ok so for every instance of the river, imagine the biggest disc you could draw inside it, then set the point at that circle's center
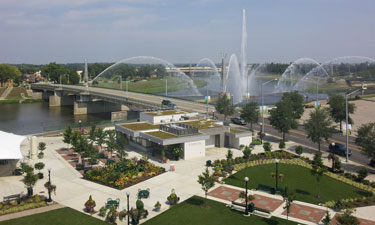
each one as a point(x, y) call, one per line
point(38, 117)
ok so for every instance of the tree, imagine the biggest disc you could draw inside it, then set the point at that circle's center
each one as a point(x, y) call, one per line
point(100, 137)
point(30, 180)
point(282, 118)
point(55, 72)
point(347, 218)
point(327, 219)
point(67, 136)
point(362, 174)
point(121, 143)
point(250, 113)
point(366, 139)
point(92, 134)
point(338, 109)
point(224, 106)
point(207, 181)
point(111, 141)
point(8, 72)
point(336, 164)
point(247, 152)
point(288, 196)
point(319, 126)
point(299, 149)
point(295, 101)
point(318, 169)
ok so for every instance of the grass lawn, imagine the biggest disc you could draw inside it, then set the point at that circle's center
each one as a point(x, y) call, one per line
point(299, 179)
point(64, 216)
point(153, 85)
point(15, 94)
point(2, 89)
point(193, 212)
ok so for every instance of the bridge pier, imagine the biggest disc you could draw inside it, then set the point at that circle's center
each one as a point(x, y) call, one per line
point(86, 107)
point(59, 99)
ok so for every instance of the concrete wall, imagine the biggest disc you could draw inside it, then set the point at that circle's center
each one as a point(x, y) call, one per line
point(166, 119)
point(194, 149)
point(117, 116)
point(7, 169)
point(210, 142)
point(55, 100)
point(236, 142)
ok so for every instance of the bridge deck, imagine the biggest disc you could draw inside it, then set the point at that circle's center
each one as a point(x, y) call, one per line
point(117, 94)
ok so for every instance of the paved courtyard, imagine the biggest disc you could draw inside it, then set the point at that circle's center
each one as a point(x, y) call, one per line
point(307, 213)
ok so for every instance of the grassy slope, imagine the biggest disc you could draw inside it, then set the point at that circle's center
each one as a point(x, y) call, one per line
point(190, 212)
point(15, 94)
point(2, 89)
point(298, 178)
point(62, 216)
point(152, 85)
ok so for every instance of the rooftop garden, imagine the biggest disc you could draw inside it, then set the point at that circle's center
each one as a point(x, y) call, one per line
point(166, 135)
point(140, 126)
point(237, 131)
point(166, 113)
point(203, 124)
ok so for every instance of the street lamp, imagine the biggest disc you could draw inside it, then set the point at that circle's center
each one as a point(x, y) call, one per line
point(166, 87)
point(127, 196)
point(49, 183)
point(80, 125)
point(347, 120)
point(261, 90)
point(127, 93)
point(246, 207)
point(277, 173)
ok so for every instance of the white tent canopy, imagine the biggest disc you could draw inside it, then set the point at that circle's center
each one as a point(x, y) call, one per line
point(10, 145)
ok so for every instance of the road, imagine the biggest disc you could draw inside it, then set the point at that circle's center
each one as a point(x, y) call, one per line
point(300, 136)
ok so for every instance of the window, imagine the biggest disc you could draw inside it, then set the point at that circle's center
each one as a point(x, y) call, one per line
point(3, 162)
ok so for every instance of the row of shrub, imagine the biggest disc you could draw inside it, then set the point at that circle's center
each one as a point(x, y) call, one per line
point(350, 203)
point(22, 204)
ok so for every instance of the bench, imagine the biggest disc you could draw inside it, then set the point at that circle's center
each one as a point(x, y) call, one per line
point(143, 193)
point(242, 207)
point(263, 212)
point(110, 202)
point(12, 197)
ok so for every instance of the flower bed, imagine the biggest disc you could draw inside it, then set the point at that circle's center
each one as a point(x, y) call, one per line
point(124, 174)
point(22, 204)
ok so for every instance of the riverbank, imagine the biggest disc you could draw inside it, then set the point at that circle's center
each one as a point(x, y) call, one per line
point(20, 101)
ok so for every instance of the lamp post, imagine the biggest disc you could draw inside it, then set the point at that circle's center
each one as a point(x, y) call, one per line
point(277, 173)
point(347, 121)
point(127, 196)
point(166, 87)
point(261, 90)
point(127, 93)
point(246, 207)
point(80, 125)
point(121, 83)
point(49, 183)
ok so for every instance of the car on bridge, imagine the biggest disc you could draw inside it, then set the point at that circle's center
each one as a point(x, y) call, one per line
point(338, 149)
point(169, 104)
point(238, 120)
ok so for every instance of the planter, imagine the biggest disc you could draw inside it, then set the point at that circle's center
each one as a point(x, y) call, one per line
point(157, 209)
point(41, 175)
point(165, 160)
point(89, 209)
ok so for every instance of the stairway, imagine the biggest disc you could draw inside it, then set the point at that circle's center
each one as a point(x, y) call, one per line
point(6, 93)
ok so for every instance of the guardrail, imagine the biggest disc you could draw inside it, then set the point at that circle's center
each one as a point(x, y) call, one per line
point(106, 97)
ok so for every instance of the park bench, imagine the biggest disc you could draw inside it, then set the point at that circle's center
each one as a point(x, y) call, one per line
point(143, 193)
point(12, 197)
point(252, 208)
point(240, 206)
point(111, 202)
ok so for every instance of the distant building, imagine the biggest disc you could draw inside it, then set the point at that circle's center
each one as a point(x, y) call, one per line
point(153, 76)
point(166, 130)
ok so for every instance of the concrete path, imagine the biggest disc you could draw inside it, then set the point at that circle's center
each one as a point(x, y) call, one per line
point(6, 93)
point(30, 212)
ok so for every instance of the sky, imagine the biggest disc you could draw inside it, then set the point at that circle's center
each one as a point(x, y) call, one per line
point(183, 31)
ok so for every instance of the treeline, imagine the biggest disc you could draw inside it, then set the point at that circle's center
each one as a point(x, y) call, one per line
point(8, 72)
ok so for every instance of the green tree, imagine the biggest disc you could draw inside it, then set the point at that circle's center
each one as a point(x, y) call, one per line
point(366, 139)
point(247, 152)
point(121, 143)
point(111, 141)
point(319, 126)
point(338, 109)
point(29, 181)
point(318, 169)
point(347, 219)
point(67, 135)
point(92, 134)
point(207, 181)
point(250, 113)
point(224, 106)
point(8, 72)
point(288, 196)
point(282, 118)
point(295, 101)
point(327, 219)
point(100, 137)
point(54, 72)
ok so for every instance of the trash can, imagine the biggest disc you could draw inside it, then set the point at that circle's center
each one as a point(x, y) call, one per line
point(172, 168)
point(208, 163)
point(251, 207)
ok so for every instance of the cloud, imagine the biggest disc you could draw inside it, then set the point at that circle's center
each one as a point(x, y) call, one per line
point(82, 14)
point(134, 21)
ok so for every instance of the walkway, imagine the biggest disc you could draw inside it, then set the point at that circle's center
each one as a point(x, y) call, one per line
point(6, 93)
point(300, 212)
